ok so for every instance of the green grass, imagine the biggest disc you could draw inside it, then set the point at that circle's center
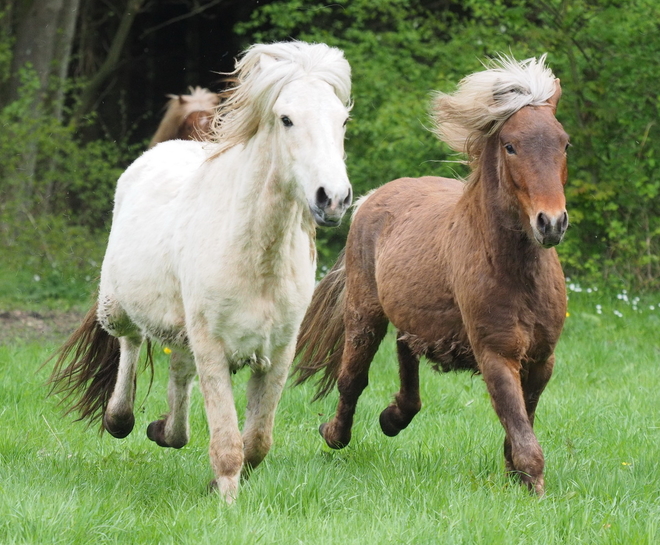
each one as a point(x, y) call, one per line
point(440, 481)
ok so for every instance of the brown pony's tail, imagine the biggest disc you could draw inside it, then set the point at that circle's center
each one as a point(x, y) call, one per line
point(92, 372)
point(321, 337)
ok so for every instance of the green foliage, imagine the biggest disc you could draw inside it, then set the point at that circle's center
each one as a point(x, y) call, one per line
point(604, 52)
point(57, 196)
point(55, 186)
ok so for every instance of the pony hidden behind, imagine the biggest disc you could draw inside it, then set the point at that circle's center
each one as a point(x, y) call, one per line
point(212, 252)
point(188, 117)
point(467, 273)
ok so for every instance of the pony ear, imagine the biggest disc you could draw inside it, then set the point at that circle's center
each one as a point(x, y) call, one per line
point(554, 99)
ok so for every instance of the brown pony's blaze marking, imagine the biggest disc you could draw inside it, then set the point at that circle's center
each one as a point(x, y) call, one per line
point(466, 272)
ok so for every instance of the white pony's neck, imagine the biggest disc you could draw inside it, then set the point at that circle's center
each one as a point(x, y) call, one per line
point(275, 209)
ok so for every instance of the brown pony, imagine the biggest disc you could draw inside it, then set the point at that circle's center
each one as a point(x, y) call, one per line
point(466, 272)
point(187, 117)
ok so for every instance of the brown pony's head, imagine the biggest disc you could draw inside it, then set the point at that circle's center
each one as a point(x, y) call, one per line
point(515, 102)
point(533, 164)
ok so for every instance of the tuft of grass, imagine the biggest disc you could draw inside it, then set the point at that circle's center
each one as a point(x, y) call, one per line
point(439, 481)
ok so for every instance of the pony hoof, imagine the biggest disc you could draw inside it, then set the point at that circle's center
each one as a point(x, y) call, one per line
point(534, 486)
point(156, 432)
point(334, 444)
point(387, 425)
point(119, 427)
point(227, 490)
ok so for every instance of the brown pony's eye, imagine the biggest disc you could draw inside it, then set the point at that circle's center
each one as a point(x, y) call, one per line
point(510, 149)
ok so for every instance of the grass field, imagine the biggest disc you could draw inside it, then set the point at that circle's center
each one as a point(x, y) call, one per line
point(440, 481)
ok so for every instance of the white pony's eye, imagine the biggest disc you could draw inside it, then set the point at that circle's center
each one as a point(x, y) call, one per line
point(346, 121)
point(286, 121)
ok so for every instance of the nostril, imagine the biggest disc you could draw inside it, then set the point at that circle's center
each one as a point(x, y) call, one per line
point(322, 199)
point(542, 222)
point(564, 221)
point(348, 199)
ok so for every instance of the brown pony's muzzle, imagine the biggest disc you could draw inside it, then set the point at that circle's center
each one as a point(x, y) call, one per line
point(549, 229)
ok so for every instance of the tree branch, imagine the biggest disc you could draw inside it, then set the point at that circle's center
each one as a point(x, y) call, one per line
point(191, 13)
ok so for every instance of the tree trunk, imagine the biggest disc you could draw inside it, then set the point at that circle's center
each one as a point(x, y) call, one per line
point(111, 62)
point(44, 31)
point(62, 51)
point(36, 36)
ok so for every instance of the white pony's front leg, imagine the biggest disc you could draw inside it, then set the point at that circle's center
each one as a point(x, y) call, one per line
point(263, 394)
point(119, 419)
point(173, 430)
point(226, 443)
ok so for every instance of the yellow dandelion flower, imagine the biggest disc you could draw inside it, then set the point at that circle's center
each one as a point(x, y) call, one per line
point(625, 463)
point(167, 350)
point(568, 314)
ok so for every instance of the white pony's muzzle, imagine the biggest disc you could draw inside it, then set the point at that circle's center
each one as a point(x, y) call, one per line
point(329, 207)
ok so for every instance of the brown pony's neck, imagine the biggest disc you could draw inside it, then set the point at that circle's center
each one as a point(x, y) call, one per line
point(497, 219)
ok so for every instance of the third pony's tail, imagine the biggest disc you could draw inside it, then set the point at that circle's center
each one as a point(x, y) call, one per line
point(321, 336)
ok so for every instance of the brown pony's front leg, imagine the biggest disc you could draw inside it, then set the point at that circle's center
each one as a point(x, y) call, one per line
point(523, 453)
point(407, 403)
point(359, 349)
point(534, 380)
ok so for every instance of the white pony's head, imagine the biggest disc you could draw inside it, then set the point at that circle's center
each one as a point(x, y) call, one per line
point(300, 92)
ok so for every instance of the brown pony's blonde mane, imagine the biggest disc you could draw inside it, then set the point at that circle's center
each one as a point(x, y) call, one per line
point(484, 100)
point(261, 74)
point(181, 106)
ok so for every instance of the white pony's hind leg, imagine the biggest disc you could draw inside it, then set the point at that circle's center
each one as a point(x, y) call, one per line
point(118, 419)
point(173, 430)
point(263, 394)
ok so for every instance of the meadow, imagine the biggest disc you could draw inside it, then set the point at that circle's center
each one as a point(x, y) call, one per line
point(440, 481)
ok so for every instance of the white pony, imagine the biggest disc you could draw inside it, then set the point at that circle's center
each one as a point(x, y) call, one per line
point(212, 253)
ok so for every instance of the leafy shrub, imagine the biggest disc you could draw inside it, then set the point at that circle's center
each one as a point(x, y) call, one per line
point(605, 54)
point(57, 194)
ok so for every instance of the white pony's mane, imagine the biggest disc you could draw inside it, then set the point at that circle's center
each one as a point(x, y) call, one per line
point(261, 74)
point(181, 106)
point(484, 100)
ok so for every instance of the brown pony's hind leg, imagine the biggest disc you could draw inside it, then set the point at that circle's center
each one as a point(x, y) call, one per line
point(362, 340)
point(407, 403)
point(522, 450)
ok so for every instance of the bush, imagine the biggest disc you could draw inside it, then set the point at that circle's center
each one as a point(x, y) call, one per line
point(57, 195)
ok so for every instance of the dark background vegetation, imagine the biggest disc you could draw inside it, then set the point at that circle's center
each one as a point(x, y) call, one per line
point(83, 84)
